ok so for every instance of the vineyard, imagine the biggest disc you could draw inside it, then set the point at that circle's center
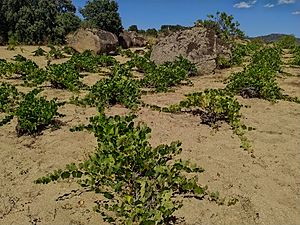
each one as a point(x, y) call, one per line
point(100, 139)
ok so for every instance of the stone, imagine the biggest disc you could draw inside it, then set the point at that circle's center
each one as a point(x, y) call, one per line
point(198, 44)
point(128, 39)
point(125, 40)
point(139, 41)
point(98, 41)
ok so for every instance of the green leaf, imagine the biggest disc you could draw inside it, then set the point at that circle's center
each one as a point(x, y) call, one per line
point(108, 195)
point(65, 175)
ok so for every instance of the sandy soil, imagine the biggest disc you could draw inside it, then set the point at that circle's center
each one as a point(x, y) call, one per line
point(266, 184)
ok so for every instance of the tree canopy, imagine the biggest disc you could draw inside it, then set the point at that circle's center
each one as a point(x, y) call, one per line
point(35, 21)
point(133, 28)
point(224, 25)
point(102, 14)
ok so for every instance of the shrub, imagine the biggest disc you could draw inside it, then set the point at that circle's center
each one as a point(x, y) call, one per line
point(223, 63)
point(268, 58)
point(258, 79)
point(287, 42)
point(5, 68)
point(163, 76)
point(88, 62)
point(296, 53)
point(140, 63)
point(69, 50)
point(9, 98)
point(118, 88)
point(33, 113)
point(139, 183)
point(239, 51)
point(21, 66)
point(169, 74)
point(35, 77)
point(215, 105)
point(39, 52)
point(55, 53)
point(133, 28)
point(64, 76)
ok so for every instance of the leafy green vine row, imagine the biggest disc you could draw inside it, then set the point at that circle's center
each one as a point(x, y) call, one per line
point(139, 182)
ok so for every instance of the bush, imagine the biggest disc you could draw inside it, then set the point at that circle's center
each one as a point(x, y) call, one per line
point(55, 53)
point(140, 63)
point(5, 67)
point(69, 50)
point(268, 58)
point(287, 42)
point(163, 76)
point(33, 113)
point(139, 183)
point(168, 74)
point(239, 51)
point(22, 66)
point(212, 105)
point(255, 82)
point(223, 63)
point(118, 88)
point(39, 52)
point(88, 62)
point(296, 53)
point(9, 98)
point(258, 79)
point(64, 76)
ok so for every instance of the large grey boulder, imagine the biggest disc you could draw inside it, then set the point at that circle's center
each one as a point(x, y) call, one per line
point(198, 44)
point(128, 39)
point(98, 41)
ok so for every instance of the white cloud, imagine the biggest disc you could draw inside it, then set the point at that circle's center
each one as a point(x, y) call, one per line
point(281, 2)
point(269, 5)
point(296, 13)
point(244, 5)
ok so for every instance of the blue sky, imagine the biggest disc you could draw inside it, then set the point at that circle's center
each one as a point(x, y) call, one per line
point(257, 17)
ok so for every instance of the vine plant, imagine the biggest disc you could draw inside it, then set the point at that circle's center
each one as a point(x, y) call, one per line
point(118, 88)
point(258, 79)
point(213, 105)
point(139, 182)
point(33, 113)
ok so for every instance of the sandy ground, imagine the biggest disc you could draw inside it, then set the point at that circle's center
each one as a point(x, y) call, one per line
point(265, 184)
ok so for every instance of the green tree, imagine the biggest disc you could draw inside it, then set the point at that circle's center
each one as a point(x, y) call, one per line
point(224, 25)
point(166, 29)
point(34, 21)
point(151, 32)
point(133, 28)
point(102, 14)
point(3, 25)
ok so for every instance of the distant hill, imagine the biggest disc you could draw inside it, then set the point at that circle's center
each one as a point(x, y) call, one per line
point(272, 37)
